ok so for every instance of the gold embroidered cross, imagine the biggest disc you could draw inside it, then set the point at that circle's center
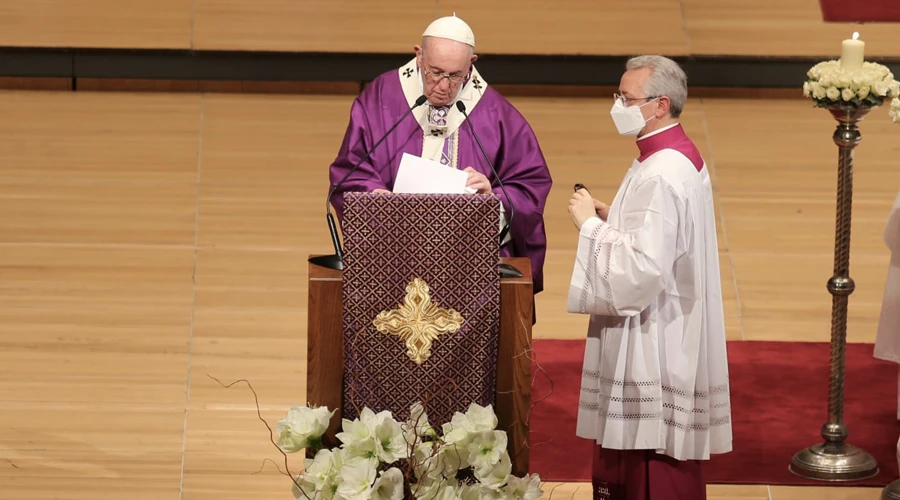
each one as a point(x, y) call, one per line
point(418, 321)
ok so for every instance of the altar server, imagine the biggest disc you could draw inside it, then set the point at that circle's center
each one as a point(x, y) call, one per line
point(655, 391)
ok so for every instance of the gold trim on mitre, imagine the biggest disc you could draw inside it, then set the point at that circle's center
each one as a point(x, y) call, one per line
point(418, 321)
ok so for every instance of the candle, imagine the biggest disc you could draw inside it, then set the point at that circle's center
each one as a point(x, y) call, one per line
point(853, 52)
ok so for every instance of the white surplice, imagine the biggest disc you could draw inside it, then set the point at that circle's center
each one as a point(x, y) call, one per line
point(887, 338)
point(655, 371)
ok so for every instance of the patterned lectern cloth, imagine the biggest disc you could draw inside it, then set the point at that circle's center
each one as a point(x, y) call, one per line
point(402, 250)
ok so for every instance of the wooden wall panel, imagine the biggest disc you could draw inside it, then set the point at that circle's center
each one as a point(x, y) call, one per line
point(597, 27)
point(139, 24)
point(573, 26)
point(311, 26)
point(778, 28)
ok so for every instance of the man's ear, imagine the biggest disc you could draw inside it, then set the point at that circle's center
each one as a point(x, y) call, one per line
point(474, 58)
point(664, 104)
point(418, 50)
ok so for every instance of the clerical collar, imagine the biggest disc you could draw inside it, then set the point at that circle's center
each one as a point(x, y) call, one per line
point(657, 131)
point(671, 137)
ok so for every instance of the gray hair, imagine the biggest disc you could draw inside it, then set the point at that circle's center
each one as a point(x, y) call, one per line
point(666, 79)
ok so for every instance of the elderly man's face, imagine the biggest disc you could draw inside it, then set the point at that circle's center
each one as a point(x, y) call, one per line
point(631, 90)
point(444, 65)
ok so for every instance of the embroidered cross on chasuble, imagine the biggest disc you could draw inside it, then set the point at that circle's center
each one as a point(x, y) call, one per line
point(421, 303)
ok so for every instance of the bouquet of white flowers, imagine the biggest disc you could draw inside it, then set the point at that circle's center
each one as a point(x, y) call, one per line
point(381, 458)
point(895, 110)
point(830, 85)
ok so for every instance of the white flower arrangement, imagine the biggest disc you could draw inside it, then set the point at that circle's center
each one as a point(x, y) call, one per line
point(895, 110)
point(383, 459)
point(830, 85)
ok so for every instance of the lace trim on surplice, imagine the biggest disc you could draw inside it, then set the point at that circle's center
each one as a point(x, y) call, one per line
point(669, 409)
point(589, 292)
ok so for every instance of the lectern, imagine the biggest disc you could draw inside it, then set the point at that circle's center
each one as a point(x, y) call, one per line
point(420, 313)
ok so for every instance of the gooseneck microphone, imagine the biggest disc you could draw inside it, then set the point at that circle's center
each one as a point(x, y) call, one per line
point(506, 270)
point(336, 261)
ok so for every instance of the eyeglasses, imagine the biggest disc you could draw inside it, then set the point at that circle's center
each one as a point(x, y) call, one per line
point(624, 100)
point(452, 77)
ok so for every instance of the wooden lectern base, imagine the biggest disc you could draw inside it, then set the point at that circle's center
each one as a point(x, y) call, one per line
point(325, 354)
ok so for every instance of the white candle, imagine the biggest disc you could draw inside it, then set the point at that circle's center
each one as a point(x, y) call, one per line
point(853, 52)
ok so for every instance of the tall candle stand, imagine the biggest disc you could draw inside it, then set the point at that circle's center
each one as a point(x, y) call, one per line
point(835, 460)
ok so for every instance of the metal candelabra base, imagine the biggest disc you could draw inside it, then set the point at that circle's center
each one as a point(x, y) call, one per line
point(891, 491)
point(826, 462)
point(835, 460)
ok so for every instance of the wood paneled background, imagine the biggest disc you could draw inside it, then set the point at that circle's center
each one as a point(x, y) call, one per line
point(607, 27)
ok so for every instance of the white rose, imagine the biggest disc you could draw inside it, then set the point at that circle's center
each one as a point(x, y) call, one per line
point(894, 113)
point(818, 91)
point(895, 89)
point(847, 94)
point(833, 93)
point(844, 81)
point(807, 91)
point(881, 89)
point(302, 428)
point(863, 92)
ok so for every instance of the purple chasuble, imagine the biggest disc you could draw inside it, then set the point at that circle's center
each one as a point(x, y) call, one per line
point(507, 138)
point(673, 138)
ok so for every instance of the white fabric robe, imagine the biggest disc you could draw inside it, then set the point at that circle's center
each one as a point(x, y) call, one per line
point(655, 364)
point(887, 338)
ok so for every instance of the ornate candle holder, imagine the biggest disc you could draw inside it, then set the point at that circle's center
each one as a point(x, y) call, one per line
point(848, 93)
point(835, 459)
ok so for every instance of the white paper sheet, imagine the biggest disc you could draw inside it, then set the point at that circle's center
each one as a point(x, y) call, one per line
point(421, 175)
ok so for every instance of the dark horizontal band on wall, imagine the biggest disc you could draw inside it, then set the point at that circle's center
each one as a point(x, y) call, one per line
point(721, 71)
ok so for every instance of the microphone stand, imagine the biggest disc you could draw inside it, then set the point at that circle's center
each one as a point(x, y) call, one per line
point(336, 261)
point(506, 270)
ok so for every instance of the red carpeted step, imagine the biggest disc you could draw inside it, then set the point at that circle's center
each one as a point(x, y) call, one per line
point(779, 397)
point(862, 11)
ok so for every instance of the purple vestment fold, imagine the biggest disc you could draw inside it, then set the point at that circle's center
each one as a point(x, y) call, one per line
point(506, 136)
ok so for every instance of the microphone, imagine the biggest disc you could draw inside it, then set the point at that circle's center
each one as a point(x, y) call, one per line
point(506, 270)
point(336, 261)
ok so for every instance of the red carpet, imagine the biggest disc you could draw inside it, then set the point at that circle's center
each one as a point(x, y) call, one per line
point(861, 11)
point(779, 397)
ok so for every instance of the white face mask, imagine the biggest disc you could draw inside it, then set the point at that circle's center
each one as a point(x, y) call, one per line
point(628, 119)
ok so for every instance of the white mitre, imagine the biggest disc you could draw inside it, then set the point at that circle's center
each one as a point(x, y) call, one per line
point(451, 28)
